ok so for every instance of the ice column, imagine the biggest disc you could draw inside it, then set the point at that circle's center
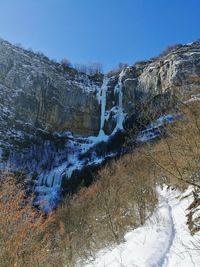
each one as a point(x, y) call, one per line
point(120, 115)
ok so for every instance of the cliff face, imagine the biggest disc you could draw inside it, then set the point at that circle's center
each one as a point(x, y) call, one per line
point(39, 92)
point(49, 114)
point(178, 72)
point(36, 91)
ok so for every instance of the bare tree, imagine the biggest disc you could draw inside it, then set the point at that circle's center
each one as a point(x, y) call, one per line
point(66, 63)
point(81, 68)
point(94, 68)
point(90, 69)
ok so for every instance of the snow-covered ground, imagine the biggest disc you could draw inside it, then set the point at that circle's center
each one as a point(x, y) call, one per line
point(164, 241)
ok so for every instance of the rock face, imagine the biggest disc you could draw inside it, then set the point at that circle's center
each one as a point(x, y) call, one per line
point(37, 91)
point(178, 72)
point(49, 112)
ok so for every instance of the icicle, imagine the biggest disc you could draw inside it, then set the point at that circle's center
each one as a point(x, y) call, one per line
point(120, 115)
point(104, 88)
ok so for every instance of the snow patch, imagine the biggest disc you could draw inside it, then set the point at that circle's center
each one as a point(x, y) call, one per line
point(153, 130)
point(164, 241)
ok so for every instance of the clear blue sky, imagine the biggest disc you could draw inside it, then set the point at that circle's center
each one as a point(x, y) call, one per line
point(106, 31)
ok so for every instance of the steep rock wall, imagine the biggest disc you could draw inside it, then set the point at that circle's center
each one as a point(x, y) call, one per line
point(37, 91)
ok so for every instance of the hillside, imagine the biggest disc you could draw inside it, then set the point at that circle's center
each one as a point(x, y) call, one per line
point(51, 115)
point(90, 164)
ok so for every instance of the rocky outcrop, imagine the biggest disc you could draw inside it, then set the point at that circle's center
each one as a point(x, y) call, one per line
point(177, 72)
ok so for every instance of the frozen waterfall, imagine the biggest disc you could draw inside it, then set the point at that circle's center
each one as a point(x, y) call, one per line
point(120, 114)
point(102, 101)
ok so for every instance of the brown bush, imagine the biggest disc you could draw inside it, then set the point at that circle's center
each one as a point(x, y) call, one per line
point(121, 198)
point(23, 237)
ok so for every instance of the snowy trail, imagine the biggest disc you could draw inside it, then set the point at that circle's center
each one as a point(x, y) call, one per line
point(163, 258)
point(161, 242)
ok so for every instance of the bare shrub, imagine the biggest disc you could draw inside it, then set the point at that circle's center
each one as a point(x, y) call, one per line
point(66, 63)
point(94, 68)
point(23, 237)
point(90, 69)
point(169, 49)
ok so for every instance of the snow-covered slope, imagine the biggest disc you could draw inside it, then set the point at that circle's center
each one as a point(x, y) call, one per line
point(164, 240)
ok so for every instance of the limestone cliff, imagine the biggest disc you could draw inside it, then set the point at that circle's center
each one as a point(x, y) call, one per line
point(37, 91)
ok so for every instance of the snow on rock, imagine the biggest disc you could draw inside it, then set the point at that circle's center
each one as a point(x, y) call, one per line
point(164, 241)
point(153, 130)
point(148, 135)
point(48, 185)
